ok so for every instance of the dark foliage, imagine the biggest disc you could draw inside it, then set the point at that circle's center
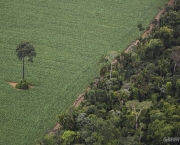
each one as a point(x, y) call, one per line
point(23, 84)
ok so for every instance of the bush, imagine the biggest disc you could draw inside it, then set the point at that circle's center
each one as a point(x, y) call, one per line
point(50, 139)
point(23, 84)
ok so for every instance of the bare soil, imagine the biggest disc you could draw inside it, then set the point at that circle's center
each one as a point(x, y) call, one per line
point(130, 47)
point(13, 84)
point(55, 128)
point(171, 3)
point(79, 100)
point(75, 104)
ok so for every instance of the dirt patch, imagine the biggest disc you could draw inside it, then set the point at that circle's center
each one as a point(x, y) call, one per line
point(75, 104)
point(114, 62)
point(55, 128)
point(171, 3)
point(158, 16)
point(79, 100)
point(13, 84)
point(130, 47)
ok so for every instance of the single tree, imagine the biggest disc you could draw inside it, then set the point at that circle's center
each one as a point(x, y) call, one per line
point(137, 107)
point(24, 49)
point(69, 137)
point(166, 35)
point(140, 27)
point(108, 58)
point(168, 88)
point(153, 48)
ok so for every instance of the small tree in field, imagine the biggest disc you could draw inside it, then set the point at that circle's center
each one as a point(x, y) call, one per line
point(140, 27)
point(24, 49)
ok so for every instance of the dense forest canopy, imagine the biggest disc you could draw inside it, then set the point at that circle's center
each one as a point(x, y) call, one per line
point(134, 100)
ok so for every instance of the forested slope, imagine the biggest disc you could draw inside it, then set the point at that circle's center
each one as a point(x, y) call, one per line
point(135, 100)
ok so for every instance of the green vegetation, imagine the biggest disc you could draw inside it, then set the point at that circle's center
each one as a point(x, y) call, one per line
point(139, 103)
point(23, 84)
point(25, 49)
point(140, 27)
point(69, 37)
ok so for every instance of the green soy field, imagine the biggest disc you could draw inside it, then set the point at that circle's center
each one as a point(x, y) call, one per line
point(69, 37)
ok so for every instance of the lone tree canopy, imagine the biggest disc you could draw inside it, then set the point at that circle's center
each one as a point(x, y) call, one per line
point(24, 49)
point(140, 27)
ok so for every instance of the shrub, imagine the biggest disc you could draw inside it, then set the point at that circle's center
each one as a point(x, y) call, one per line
point(114, 74)
point(49, 139)
point(23, 84)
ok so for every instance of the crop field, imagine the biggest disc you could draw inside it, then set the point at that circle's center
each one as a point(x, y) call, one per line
point(69, 37)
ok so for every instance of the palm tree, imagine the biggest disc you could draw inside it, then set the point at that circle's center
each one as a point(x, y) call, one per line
point(25, 49)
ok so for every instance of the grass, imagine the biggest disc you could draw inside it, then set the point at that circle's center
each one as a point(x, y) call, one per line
point(69, 37)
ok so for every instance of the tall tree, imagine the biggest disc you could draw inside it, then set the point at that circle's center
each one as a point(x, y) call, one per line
point(175, 55)
point(24, 49)
point(166, 35)
point(69, 137)
point(153, 48)
point(137, 107)
point(109, 57)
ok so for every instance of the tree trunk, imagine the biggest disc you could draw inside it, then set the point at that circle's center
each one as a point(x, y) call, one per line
point(136, 121)
point(111, 70)
point(140, 134)
point(23, 68)
point(174, 68)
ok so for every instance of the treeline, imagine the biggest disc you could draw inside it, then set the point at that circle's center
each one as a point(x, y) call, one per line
point(135, 100)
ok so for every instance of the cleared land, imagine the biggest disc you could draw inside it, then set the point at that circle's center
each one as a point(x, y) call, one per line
point(69, 37)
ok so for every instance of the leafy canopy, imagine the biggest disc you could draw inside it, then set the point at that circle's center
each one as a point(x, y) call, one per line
point(24, 49)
